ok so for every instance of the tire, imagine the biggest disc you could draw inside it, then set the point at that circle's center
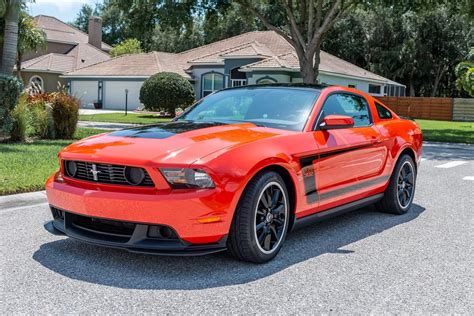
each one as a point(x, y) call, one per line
point(261, 219)
point(396, 199)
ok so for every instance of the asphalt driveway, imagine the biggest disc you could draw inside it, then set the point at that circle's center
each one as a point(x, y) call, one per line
point(359, 263)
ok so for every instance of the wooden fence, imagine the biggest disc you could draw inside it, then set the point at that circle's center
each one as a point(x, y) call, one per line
point(463, 110)
point(422, 108)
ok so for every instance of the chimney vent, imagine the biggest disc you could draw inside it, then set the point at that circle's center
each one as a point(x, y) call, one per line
point(95, 31)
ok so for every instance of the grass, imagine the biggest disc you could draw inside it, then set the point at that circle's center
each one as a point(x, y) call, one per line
point(24, 167)
point(446, 131)
point(122, 118)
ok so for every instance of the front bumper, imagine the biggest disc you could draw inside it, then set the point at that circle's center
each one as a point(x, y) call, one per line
point(134, 237)
point(197, 216)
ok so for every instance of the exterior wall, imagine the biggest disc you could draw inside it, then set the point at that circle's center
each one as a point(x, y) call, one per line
point(361, 85)
point(279, 76)
point(294, 77)
point(50, 80)
point(197, 74)
point(230, 64)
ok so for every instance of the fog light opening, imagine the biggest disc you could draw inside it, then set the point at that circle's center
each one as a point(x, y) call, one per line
point(166, 232)
point(161, 232)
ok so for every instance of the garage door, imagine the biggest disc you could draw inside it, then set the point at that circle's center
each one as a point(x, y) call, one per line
point(114, 94)
point(85, 91)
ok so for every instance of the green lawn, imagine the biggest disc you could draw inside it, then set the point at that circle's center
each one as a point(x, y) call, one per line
point(122, 118)
point(24, 167)
point(446, 131)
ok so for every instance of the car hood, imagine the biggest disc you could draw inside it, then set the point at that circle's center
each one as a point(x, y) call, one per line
point(181, 142)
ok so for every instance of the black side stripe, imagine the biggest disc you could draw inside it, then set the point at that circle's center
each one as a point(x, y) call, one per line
point(309, 176)
point(309, 179)
point(354, 187)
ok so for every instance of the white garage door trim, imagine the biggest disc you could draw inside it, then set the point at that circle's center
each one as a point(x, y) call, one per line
point(114, 94)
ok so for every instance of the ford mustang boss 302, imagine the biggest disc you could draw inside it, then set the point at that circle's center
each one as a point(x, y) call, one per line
point(238, 170)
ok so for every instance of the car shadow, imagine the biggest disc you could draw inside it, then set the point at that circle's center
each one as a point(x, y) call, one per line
point(122, 269)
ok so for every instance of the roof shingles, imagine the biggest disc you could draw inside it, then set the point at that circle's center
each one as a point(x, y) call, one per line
point(275, 51)
point(58, 31)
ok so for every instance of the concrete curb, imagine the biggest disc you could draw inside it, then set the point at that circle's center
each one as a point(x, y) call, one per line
point(22, 200)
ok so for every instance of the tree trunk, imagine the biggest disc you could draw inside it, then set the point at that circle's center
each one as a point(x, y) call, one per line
point(306, 69)
point(10, 39)
point(439, 75)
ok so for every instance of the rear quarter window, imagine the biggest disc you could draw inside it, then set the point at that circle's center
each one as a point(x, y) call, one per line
point(383, 112)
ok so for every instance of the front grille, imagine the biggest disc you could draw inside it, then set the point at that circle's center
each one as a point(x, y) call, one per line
point(102, 226)
point(106, 173)
point(116, 230)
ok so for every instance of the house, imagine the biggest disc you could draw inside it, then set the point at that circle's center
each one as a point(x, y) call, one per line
point(250, 58)
point(67, 49)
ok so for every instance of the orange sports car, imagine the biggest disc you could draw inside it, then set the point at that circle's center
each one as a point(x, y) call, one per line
point(238, 170)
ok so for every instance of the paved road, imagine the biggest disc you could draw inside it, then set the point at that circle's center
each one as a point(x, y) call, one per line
point(363, 262)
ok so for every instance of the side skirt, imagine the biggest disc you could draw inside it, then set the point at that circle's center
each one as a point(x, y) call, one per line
point(338, 210)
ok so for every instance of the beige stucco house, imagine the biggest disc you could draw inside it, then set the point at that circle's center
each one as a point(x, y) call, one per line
point(67, 49)
point(250, 58)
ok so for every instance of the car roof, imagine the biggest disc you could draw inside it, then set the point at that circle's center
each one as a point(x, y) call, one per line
point(313, 86)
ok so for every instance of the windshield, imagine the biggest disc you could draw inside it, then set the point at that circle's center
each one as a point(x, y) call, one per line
point(284, 108)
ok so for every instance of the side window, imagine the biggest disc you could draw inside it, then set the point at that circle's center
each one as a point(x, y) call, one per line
point(383, 112)
point(348, 105)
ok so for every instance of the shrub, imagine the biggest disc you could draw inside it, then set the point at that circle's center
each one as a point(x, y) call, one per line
point(10, 90)
point(166, 91)
point(38, 120)
point(65, 113)
point(19, 121)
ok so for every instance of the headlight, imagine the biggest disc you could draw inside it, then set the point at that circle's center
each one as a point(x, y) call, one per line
point(180, 178)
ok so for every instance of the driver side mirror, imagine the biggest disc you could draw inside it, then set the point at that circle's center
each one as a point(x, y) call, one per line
point(336, 122)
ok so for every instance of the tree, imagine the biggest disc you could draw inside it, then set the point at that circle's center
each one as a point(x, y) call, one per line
point(174, 40)
point(224, 21)
point(30, 38)
point(129, 46)
point(10, 11)
point(414, 45)
point(465, 74)
point(82, 19)
point(166, 91)
point(306, 22)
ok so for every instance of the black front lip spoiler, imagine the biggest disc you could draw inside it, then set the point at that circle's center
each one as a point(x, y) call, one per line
point(139, 243)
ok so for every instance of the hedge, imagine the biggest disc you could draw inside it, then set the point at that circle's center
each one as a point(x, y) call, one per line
point(166, 91)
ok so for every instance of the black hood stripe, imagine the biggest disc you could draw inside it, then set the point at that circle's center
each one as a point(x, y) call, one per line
point(164, 130)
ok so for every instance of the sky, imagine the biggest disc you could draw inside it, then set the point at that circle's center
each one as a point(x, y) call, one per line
point(65, 10)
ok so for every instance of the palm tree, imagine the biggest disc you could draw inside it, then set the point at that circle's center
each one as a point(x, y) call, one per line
point(30, 38)
point(10, 11)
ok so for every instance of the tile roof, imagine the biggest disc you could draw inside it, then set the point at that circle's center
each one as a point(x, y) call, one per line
point(58, 31)
point(285, 61)
point(136, 65)
point(82, 55)
point(58, 63)
point(274, 50)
